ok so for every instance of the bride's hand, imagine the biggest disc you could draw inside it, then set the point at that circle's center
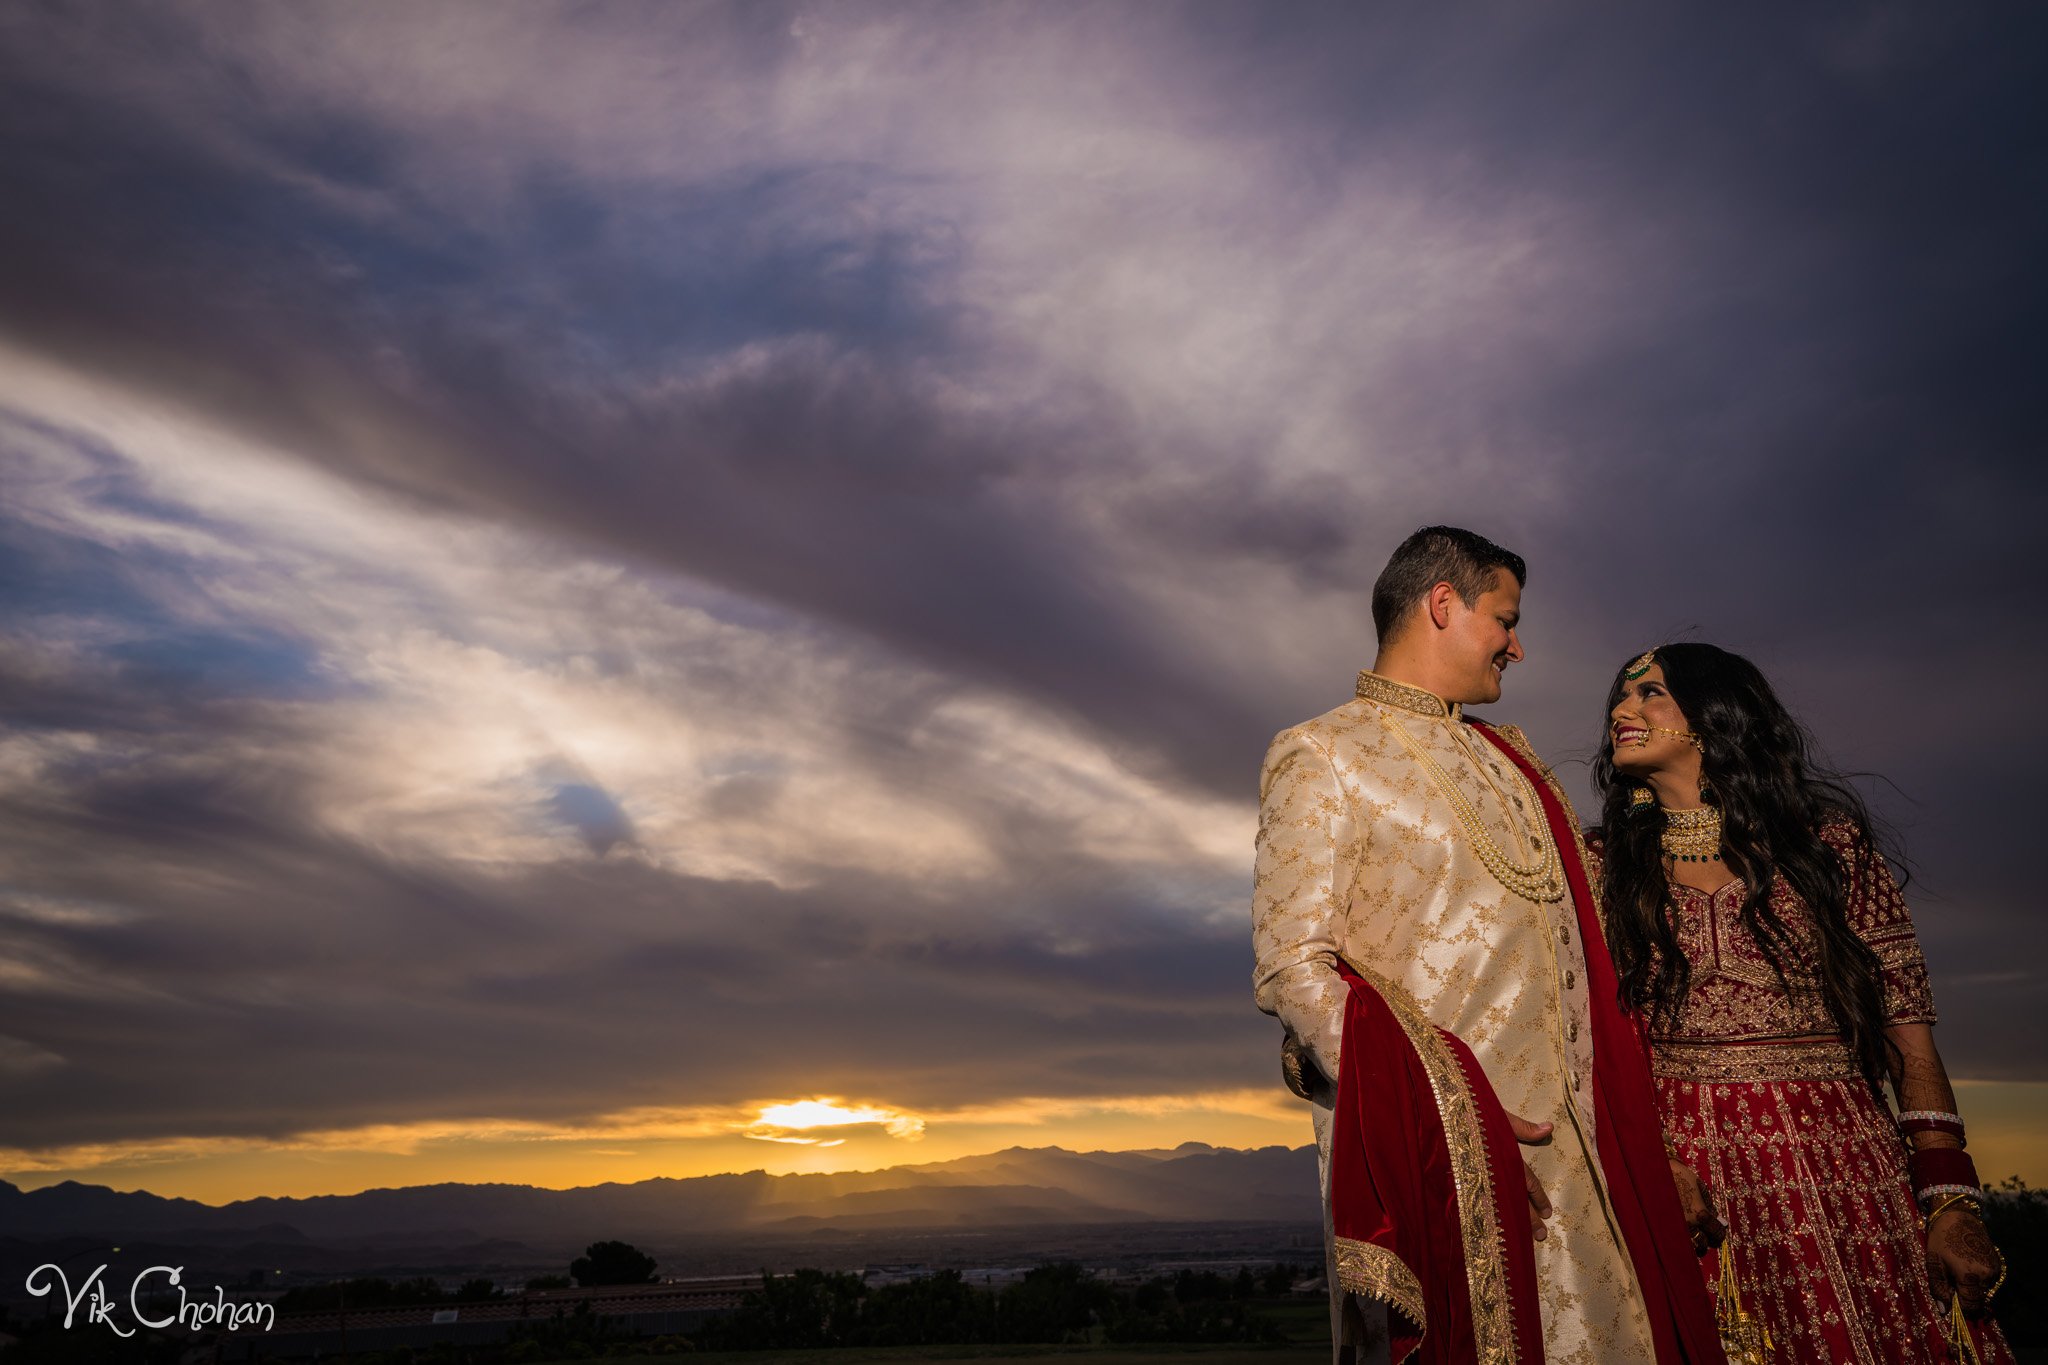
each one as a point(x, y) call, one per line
point(1696, 1201)
point(1961, 1259)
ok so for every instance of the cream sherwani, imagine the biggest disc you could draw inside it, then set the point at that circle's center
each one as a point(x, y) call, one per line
point(1363, 855)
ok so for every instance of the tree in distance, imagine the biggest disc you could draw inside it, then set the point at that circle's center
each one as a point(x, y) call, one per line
point(612, 1263)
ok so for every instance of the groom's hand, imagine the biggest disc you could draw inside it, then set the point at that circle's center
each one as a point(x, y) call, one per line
point(1539, 1202)
point(1696, 1202)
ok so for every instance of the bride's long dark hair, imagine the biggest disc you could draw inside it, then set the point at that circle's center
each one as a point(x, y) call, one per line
point(1758, 767)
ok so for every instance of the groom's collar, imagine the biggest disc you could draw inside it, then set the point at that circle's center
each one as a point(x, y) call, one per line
point(1387, 692)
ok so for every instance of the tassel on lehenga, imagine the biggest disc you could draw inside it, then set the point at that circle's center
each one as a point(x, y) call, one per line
point(1961, 1344)
point(1746, 1340)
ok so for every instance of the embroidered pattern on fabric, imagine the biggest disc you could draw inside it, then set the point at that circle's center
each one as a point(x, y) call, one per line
point(1519, 742)
point(1828, 1247)
point(1804, 1059)
point(1374, 1272)
point(1762, 1098)
point(1486, 1274)
point(1358, 856)
point(1373, 687)
point(1735, 997)
point(1540, 881)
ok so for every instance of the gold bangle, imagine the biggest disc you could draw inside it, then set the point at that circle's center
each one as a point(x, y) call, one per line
point(1950, 1202)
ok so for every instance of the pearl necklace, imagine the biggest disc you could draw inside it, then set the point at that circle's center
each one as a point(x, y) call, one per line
point(1541, 881)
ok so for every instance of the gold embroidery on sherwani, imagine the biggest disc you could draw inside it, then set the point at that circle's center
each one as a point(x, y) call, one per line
point(1486, 1267)
point(1373, 687)
point(1519, 742)
point(1360, 855)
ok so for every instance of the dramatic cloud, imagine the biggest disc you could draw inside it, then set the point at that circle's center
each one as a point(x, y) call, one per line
point(564, 562)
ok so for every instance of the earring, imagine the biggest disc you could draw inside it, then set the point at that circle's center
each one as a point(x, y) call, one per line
point(1638, 797)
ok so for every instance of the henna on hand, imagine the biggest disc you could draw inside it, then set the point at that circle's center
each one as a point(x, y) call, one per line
point(1966, 1256)
point(1938, 1282)
point(1696, 1202)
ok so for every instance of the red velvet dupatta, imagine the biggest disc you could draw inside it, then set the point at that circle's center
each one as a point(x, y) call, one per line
point(1426, 1192)
point(1633, 1167)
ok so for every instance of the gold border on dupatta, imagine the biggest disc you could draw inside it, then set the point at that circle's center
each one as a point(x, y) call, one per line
point(1519, 742)
point(1486, 1272)
point(1374, 1272)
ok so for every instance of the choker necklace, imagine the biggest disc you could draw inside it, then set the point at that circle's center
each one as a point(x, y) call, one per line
point(1693, 836)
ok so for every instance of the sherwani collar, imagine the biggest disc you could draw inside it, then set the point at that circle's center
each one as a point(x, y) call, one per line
point(1387, 692)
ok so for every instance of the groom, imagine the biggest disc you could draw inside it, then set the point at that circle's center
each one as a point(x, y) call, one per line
point(1492, 1162)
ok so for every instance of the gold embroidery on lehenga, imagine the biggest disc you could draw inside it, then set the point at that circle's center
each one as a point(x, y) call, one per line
point(1760, 1095)
point(1803, 1059)
point(1486, 1275)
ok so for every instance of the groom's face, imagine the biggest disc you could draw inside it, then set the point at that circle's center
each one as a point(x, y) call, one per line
point(1481, 641)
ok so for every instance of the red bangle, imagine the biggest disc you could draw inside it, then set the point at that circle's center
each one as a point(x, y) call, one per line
point(1936, 1166)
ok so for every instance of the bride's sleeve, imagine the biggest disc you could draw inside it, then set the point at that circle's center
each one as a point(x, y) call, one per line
point(1878, 914)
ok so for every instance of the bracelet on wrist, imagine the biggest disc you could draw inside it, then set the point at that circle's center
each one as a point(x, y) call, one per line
point(1960, 1198)
point(1933, 1121)
point(1937, 1171)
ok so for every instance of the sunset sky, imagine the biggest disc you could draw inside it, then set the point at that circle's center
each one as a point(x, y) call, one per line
point(611, 590)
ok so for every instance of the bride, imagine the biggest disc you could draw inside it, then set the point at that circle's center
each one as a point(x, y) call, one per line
point(1757, 928)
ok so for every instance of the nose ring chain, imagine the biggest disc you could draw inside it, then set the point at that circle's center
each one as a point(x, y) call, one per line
point(1683, 736)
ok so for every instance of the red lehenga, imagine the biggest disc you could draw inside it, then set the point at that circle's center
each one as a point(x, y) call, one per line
point(1805, 1162)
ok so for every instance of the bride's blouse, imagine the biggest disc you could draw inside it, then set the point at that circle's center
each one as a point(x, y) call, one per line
point(1734, 995)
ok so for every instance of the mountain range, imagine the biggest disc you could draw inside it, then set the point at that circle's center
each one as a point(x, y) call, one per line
point(1022, 1186)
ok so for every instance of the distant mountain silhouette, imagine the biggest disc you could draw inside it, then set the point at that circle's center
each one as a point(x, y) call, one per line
point(1017, 1187)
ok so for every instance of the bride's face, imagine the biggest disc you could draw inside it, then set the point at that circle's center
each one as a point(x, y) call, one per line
point(1645, 725)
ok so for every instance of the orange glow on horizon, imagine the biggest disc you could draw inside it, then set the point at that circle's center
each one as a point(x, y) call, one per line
point(2005, 1120)
point(817, 1135)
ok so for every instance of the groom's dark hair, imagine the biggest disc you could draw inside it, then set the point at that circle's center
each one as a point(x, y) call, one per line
point(1438, 554)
